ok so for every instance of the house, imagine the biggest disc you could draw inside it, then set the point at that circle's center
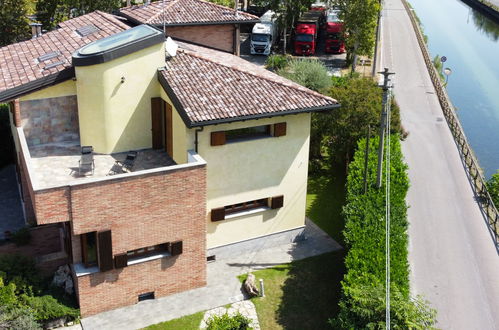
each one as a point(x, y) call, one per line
point(196, 21)
point(222, 153)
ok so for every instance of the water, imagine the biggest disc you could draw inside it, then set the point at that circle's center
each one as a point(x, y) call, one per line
point(470, 41)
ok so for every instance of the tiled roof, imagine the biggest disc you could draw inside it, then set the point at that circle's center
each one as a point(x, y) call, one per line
point(185, 12)
point(208, 88)
point(30, 61)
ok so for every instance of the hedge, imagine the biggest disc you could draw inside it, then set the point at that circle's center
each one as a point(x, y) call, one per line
point(363, 300)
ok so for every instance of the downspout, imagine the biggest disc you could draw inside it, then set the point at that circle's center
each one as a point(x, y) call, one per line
point(196, 138)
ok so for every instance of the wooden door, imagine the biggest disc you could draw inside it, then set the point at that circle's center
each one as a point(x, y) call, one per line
point(168, 129)
point(157, 122)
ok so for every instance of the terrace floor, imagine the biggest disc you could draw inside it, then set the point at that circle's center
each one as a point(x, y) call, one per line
point(57, 164)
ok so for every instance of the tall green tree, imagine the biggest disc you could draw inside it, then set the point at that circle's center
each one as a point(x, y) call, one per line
point(13, 21)
point(52, 12)
point(360, 18)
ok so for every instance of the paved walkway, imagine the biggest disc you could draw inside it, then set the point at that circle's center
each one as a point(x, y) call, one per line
point(453, 258)
point(223, 287)
point(11, 213)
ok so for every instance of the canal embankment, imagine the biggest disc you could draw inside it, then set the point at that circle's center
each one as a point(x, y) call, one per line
point(490, 8)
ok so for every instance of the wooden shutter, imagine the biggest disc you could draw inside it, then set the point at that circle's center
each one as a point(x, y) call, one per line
point(169, 128)
point(120, 260)
point(218, 138)
point(176, 248)
point(218, 214)
point(105, 250)
point(279, 129)
point(156, 119)
point(277, 202)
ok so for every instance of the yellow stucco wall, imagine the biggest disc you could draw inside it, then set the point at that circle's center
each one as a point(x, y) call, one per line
point(179, 133)
point(249, 170)
point(115, 116)
point(65, 88)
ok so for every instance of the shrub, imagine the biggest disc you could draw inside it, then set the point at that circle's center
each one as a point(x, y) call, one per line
point(362, 304)
point(226, 322)
point(276, 62)
point(21, 271)
point(493, 188)
point(307, 72)
point(22, 236)
point(18, 318)
point(48, 308)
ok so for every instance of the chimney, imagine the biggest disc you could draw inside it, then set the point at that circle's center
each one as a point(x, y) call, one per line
point(128, 3)
point(148, 2)
point(36, 30)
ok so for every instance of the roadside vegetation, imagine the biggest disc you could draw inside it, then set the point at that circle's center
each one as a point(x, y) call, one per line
point(363, 301)
point(493, 188)
point(27, 300)
point(189, 322)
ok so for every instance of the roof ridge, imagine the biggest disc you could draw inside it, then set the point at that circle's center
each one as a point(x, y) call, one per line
point(153, 17)
point(108, 17)
point(224, 7)
point(293, 85)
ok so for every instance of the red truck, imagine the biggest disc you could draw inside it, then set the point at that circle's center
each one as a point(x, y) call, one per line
point(334, 33)
point(306, 31)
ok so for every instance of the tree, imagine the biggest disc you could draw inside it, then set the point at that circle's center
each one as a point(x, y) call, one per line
point(52, 12)
point(360, 19)
point(493, 188)
point(13, 21)
point(288, 12)
point(360, 100)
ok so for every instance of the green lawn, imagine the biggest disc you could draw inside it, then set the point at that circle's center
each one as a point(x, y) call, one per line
point(189, 322)
point(325, 199)
point(301, 295)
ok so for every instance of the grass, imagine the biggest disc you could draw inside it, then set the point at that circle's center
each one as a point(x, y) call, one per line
point(189, 322)
point(300, 295)
point(325, 199)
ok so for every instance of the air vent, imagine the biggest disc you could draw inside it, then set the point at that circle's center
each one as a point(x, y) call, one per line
point(48, 56)
point(87, 30)
point(146, 296)
point(53, 65)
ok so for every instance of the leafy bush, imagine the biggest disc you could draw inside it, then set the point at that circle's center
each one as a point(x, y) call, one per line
point(276, 62)
point(493, 188)
point(362, 304)
point(307, 72)
point(21, 271)
point(226, 322)
point(18, 318)
point(21, 237)
point(48, 308)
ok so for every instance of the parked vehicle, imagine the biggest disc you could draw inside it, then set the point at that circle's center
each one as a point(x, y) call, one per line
point(306, 32)
point(264, 34)
point(334, 33)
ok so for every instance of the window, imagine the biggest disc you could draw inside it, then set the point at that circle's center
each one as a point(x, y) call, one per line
point(242, 134)
point(148, 251)
point(229, 209)
point(89, 249)
point(304, 37)
point(220, 213)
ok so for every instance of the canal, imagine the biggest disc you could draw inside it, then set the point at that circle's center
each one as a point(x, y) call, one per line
point(470, 42)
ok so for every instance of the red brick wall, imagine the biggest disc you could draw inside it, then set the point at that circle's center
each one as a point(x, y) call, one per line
point(52, 205)
point(217, 36)
point(140, 212)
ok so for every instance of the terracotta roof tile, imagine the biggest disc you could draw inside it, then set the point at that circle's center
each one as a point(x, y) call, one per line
point(185, 12)
point(19, 62)
point(211, 90)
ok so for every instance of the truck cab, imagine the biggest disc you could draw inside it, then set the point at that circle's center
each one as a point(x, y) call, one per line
point(264, 34)
point(334, 33)
point(306, 32)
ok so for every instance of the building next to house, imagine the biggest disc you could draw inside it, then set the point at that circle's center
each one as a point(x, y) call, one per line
point(221, 151)
point(195, 21)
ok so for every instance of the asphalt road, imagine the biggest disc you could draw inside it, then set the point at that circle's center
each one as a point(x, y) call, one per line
point(454, 261)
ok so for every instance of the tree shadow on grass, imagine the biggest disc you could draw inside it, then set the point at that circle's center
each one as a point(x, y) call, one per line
point(325, 200)
point(311, 292)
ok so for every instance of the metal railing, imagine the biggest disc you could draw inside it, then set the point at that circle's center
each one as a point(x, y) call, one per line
point(477, 179)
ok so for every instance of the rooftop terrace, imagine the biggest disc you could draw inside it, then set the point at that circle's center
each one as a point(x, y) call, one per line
point(56, 165)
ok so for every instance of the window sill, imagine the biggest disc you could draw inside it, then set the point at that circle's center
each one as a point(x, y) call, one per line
point(248, 212)
point(139, 260)
point(81, 270)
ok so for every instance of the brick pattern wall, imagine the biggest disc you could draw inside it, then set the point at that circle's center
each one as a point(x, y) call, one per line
point(52, 205)
point(50, 120)
point(220, 37)
point(16, 112)
point(143, 211)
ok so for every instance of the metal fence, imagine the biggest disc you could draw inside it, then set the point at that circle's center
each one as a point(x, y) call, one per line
point(467, 155)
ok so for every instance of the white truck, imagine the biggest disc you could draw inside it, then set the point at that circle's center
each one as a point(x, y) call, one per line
point(264, 34)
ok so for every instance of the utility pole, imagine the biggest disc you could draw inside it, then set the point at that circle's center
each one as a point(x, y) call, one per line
point(384, 111)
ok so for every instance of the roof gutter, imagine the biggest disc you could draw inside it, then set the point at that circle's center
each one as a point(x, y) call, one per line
point(160, 25)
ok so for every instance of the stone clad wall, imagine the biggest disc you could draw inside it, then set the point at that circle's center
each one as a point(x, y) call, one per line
point(50, 120)
point(220, 37)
